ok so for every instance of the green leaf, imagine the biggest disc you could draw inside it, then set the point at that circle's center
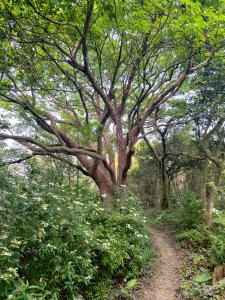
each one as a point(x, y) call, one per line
point(197, 259)
point(131, 284)
point(203, 276)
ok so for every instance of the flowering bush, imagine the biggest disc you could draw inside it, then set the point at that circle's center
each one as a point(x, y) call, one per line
point(62, 243)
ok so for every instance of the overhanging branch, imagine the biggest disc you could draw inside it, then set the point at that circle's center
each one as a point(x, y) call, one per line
point(36, 146)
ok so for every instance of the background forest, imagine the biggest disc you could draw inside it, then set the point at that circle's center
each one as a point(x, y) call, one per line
point(112, 119)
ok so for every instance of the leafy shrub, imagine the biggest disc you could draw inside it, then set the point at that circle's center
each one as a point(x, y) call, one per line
point(194, 290)
point(186, 212)
point(64, 244)
point(195, 238)
point(197, 279)
point(210, 242)
point(185, 218)
point(216, 249)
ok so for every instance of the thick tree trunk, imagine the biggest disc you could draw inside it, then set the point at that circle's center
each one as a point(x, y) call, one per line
point(106, 176)
point(122, 155)
point(108, 184)
point(103, 182)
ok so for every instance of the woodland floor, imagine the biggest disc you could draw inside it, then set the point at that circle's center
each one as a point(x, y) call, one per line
point(164, 284)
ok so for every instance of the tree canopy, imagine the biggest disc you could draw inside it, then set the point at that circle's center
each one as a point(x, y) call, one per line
point(83, 77)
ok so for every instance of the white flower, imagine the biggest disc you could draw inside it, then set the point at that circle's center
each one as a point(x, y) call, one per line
point(44, 206)
point(106, 244)
point(139, 235)
point(4, 236)
point(78, 202)
point(123, 185)
point(39, 199)
point(128, 226)
point(51, 246)
point(13, 270)
point(23, 196)
point(5, 253)
point(15, 243)
point(100, 209)
point(104, 195)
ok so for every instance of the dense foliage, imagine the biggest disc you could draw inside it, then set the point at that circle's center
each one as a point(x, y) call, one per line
point(62, 243)
point(81, 83)
point(186, 145)
point(82, 78)
point(206, 245)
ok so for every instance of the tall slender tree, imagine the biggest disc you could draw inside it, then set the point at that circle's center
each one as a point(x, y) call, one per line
point(209, 102)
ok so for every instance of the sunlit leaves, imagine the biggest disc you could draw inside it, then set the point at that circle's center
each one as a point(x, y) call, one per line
point(95, 58)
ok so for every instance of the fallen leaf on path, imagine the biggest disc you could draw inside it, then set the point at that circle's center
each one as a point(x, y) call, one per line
point(146, 293)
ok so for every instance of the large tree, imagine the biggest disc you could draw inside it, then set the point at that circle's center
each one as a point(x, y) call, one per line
point(82, 77)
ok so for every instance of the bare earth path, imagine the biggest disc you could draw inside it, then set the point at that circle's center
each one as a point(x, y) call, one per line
point(165, 282)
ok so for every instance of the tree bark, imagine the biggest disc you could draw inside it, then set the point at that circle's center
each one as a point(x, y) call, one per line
point(164, 175)
point(103, 181)
point(213, 195)
point(203, 191)
point(165, 189)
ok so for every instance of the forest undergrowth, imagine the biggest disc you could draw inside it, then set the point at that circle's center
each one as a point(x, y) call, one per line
point(203, 246)
point(98, 99)
point(62, 242)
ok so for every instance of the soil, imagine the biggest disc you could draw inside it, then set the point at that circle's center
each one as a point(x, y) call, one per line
point(164, 284)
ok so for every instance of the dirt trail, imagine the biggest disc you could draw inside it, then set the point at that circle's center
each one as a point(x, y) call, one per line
point(165, 282)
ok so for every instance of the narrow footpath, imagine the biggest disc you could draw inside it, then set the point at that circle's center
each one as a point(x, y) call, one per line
point(165, 282)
